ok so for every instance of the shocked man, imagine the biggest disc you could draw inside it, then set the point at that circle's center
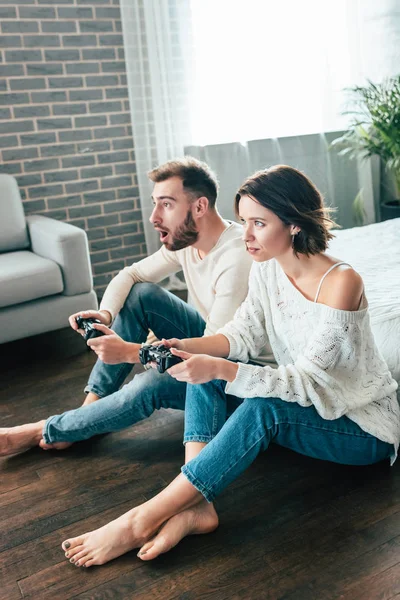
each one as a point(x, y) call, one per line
point(211, 253)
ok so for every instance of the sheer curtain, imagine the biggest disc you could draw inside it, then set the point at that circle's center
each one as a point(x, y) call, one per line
point(157, 41)
point(210, 76)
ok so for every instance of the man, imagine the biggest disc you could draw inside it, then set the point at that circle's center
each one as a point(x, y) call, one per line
point(212, 255)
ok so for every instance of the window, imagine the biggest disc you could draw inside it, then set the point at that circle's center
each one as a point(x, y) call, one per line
point(266, 68)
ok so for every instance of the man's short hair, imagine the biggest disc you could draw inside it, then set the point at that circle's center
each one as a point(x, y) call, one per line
point(197, 177)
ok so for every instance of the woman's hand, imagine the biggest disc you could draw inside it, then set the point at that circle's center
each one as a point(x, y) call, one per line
point(195, 368)
point(201, 368)
point(172, 343)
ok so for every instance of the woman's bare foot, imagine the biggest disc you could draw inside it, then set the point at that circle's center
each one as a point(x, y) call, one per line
point(55, 446)
point(117, 537)
point(202, 518)
point(20, 438)
point(138, 525)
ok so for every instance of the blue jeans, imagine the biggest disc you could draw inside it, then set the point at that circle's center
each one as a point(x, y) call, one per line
point(147, 307)
point(233, 442)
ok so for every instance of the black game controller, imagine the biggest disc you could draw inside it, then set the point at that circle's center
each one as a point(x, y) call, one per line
point(161, 355)
point(86, 325)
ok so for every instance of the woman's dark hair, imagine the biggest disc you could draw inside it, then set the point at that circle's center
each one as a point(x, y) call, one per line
point(197, 177)
point(296, 201)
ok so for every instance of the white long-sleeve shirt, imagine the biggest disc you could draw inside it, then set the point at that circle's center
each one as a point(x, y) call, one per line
point(326, 357)
point(217, 283)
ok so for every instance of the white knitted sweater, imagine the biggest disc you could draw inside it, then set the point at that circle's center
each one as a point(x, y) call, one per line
point(326, 357)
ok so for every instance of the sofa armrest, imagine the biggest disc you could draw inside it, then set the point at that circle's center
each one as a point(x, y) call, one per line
point(66, 245)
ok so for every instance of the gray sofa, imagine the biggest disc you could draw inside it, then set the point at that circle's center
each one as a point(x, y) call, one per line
point(45, 272)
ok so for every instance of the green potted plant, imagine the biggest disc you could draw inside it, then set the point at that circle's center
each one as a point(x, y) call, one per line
point(374, 130)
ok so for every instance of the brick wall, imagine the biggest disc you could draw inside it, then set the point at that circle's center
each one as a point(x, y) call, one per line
point(65, 129)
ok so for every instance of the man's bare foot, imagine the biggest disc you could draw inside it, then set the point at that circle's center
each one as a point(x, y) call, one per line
point(117, 537)
point(55, 446)
point(90, 398)
point(20, 438)
point(201, 518)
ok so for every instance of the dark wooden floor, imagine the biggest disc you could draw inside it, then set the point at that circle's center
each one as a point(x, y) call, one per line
point(291, 527)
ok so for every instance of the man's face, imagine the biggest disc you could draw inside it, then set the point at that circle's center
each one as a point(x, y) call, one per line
point(172, 215)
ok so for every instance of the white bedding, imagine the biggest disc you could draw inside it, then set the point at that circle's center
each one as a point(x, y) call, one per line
point(374, 251)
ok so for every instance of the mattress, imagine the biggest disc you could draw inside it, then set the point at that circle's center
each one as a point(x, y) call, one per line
point(374, 252)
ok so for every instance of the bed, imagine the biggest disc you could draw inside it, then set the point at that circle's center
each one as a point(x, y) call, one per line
point(374, 251)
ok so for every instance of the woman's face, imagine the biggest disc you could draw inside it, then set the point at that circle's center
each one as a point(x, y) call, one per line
point(265, 235)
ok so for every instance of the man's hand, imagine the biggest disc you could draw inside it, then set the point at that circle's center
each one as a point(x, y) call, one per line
point(102, 315)
point(110, 347)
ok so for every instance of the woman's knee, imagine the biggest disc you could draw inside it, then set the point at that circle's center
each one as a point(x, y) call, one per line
point(267, 412)
point(206, 401)
point(210, 390)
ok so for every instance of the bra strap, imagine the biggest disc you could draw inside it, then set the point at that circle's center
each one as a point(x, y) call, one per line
point(327, 273)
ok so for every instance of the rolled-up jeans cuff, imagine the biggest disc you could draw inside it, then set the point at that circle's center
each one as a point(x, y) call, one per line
point(95, 390)
point(46, 437)
point(200, 487)
point(204, 439)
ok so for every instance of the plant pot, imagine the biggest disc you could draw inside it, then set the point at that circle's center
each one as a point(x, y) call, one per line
point(390, 210)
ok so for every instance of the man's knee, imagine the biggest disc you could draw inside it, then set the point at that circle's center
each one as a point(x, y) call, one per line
point(145, 382)
point(139, 299)
point(142, 293)
point(153, 390)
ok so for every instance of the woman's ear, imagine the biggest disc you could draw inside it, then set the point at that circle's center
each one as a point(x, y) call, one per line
point(294, 230)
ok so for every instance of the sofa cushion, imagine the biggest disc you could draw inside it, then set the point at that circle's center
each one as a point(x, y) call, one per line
point(13, 231)
point(25, 276)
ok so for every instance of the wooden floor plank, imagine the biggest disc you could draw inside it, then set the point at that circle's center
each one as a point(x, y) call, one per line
point(384, 585)
point(10, 591)
point(98, 460)
point(354, 574)
point(291, 528)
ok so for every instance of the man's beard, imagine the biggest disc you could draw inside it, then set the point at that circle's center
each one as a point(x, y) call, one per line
point(185, 235)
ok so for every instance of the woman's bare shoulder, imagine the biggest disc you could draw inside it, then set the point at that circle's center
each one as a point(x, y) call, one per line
point(342, 288)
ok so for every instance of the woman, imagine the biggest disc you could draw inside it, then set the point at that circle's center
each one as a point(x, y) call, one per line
point(331, 397)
